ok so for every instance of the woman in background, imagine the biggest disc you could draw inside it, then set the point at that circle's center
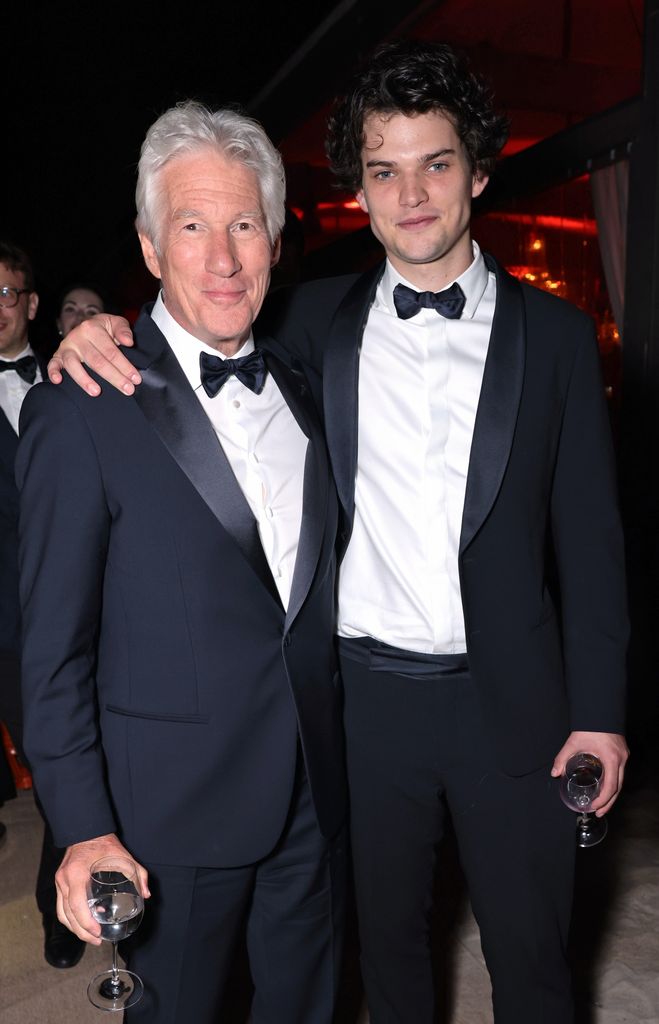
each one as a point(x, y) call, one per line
point(78, 302)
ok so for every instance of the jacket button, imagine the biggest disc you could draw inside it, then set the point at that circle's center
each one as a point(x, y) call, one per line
point(287, 640)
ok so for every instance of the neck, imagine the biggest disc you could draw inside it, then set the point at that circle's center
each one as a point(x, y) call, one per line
point(14, 350)
point(228, 348)
point(436, 274)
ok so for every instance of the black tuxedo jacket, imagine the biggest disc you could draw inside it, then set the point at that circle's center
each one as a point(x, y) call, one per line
point(540, 502)
point(10, 635)
point(166, 690)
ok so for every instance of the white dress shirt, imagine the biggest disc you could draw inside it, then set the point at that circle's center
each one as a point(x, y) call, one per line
point(13, 388)
point(261, 439)
point(419, 385)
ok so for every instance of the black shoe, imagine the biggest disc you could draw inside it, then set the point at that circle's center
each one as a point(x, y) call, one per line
point(3, 833)
point(61, 947)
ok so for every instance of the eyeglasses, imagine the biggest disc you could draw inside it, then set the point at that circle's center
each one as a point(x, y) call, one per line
point(9, 296)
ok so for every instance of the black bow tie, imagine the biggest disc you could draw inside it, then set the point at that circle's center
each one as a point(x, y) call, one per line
point(250, 371)
point(448, 303)
point(26, 368)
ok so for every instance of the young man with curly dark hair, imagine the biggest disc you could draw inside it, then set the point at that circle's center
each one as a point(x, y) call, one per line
point(481, 445)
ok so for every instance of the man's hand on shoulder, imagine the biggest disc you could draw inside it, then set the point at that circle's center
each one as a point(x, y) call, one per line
point(611, 748)
point(96, 342)
point(71, 881)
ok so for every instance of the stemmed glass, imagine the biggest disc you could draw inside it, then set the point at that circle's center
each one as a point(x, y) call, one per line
point(581, 783)
point(115, 901)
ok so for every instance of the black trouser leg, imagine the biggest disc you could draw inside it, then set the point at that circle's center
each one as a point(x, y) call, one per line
point(414, 746)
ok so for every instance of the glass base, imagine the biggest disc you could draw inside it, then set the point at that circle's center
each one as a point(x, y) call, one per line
point(112, 991)
point(590, 830)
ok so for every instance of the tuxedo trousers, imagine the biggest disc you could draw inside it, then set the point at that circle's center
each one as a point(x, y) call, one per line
point(289, 907)
point(417, 751)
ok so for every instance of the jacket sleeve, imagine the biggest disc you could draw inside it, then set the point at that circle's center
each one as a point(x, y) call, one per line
point(64, 527)
point(587, 538)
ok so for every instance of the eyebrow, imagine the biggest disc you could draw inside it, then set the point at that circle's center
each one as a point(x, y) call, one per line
point(185, 214)
point(425, 159)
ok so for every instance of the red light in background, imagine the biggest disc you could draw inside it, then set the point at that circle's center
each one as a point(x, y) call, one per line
point(578, 226)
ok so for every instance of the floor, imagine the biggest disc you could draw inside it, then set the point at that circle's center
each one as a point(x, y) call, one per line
point(615, 942)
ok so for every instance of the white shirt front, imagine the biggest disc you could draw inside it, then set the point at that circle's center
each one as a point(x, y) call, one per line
point(419, 386)
point(13, 388)
point(261, 439)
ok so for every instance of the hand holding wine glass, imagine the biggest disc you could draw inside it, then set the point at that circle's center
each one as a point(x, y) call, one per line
point(115, 901)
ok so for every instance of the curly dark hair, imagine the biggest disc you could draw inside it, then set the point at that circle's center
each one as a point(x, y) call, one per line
point(414, 77)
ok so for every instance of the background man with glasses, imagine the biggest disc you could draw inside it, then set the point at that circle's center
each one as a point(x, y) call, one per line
point(19, 370)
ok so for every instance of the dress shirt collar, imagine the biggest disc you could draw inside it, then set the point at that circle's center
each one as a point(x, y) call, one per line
point(185, 346)
point(473, 282)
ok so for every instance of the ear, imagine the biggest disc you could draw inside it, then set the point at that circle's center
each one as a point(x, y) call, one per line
point(150, 255)
point(361, 199)
point(478, 183)
point(276, 252)
point(32, 305)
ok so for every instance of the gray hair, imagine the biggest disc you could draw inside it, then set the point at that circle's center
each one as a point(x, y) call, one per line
point(190, 127)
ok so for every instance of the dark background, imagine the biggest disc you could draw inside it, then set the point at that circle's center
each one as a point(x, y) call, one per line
point(83, 83)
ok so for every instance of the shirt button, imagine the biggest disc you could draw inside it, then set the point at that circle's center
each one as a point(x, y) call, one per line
point(236, 403)
point(254, 458)
point(268, 511)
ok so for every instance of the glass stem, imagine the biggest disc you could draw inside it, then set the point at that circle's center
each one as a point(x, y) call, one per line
point(115, 969)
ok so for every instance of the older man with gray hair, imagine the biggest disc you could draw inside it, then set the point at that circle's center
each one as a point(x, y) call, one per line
point(178, 593)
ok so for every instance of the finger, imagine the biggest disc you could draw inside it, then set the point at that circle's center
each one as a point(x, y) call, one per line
point(102, 354)
point(78, 373)
point(601, 811)
point(117, 371)
point(88, 932)
point(606, 798)
point(81, 921)
point(123, 335)
point(54, 369)
point(614, 771)
point(143, 878)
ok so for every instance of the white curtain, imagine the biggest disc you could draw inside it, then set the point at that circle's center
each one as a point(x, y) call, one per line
point(610, 189)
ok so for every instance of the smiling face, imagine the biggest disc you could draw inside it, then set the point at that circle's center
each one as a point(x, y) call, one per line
point(78, 305)
point(417, 188)
point(214, 256)
point(14, 321)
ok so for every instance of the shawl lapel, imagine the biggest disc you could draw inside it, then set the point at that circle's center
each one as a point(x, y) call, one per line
point(168, 402)
point(498, 405)
point(297, 395)
point(340, 383)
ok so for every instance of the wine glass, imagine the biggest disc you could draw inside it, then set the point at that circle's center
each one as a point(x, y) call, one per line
point(581, 783)
point(115, 901)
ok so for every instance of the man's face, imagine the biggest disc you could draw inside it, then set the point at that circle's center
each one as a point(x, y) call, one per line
point(214, 255)
point(14, 321)
point(417, 188)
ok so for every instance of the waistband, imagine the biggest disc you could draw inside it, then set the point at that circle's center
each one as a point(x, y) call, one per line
point(381, 657)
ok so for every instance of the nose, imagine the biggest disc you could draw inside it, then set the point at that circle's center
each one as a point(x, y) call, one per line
point(412, 190)
point(222, 257)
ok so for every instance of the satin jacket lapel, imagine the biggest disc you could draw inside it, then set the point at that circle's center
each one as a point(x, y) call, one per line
point(340, 383)
point(297, 395)
point(168, 402)
point(498, 405)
